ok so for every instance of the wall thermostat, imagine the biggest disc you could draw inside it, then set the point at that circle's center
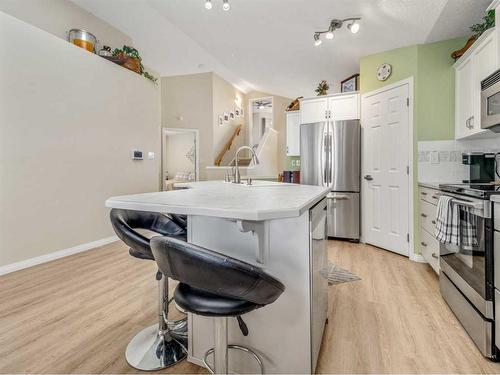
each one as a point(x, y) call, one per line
point(137, 155)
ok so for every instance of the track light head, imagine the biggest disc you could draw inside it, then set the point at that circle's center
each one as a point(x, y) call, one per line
point(226, 6)
point(208, 4)
point(353, 26)
point(317, 40)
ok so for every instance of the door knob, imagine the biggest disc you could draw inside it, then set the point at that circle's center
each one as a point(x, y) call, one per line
point(368, 177)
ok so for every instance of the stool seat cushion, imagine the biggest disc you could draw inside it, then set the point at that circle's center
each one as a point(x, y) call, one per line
point(200, 302)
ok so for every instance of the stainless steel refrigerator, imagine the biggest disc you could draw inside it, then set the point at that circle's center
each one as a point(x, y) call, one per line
point(330, 156)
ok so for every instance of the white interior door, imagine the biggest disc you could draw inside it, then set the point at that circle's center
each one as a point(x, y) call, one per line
point(386, 142)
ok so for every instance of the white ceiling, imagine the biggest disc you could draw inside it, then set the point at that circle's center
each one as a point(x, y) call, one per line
point(267, 45)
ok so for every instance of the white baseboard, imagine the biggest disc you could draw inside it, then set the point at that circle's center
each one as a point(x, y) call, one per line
point(55, 255)
point(417, 258)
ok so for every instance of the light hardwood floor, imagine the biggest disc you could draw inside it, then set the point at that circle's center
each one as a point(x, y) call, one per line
point(77, 314)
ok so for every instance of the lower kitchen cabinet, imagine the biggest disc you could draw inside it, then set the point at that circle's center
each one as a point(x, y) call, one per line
point(429, 246)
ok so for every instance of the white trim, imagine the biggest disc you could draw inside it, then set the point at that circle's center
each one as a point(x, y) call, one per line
point(55, 255)
point(197, 150)
point(410, 82)
point(493, 5)
point(330, 95)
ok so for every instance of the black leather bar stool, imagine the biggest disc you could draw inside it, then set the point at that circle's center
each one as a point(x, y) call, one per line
point(212, 284)
point(164, 344)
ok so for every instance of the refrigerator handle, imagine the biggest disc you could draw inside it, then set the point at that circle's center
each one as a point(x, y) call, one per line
point(324, 157)
point(331, 153)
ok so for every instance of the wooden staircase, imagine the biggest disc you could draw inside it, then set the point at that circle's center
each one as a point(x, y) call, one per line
point(227, 146)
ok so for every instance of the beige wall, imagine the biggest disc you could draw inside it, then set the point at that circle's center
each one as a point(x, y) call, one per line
point(279, 124)
point(224, 95)
point(194, 101)
point(59, 16)
point(68, 123)
point(187, 103)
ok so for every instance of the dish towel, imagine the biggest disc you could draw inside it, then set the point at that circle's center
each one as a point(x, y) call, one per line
point(447, 221)
point(469, 229)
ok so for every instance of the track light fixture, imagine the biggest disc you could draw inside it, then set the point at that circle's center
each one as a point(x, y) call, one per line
point(335, 24)
point(225, 4)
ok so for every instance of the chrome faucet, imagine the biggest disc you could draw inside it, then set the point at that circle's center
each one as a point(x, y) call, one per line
point(237, 176)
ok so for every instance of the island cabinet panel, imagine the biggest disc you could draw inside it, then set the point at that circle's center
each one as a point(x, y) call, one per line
point(281, 332)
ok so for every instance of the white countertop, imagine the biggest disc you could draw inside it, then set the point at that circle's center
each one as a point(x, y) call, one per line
point(495, 198)
point(262, 201)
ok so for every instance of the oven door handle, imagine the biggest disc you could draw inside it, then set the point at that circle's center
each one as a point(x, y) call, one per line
point(461, 202)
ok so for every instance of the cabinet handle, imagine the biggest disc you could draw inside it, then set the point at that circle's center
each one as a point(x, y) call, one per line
point(467, 123)
point(423, 193)
point(435, 197)
point(423, 215)
point(434, 222)
point(434, 256)
point(423, 244)
point(471, 122)
point(326, 114)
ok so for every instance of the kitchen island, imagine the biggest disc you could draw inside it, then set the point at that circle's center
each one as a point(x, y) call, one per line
point(279, 227)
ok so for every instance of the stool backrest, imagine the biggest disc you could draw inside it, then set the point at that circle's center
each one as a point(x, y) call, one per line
point(213, 272)
point(125, 223)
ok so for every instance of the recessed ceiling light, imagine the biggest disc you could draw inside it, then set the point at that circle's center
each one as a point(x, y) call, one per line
point(208, 4)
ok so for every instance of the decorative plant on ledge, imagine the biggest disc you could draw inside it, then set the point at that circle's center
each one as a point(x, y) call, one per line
point(322, 88)
point(478, 29)
point(130, 58)
point(488, 23)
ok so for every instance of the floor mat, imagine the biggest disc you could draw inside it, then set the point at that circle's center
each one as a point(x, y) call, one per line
point(338, 275)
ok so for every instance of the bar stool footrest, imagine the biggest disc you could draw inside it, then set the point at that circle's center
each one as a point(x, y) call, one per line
point(236, 347)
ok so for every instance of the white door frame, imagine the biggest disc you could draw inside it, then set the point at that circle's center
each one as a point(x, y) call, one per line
point(410, 82)
point(196, 133)
point(250, 115)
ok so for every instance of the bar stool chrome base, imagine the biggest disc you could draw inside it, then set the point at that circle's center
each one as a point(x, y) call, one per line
point(149, 350)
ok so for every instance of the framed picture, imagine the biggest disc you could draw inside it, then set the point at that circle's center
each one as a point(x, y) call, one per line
point(350, 84)
point(226, 117)
point(220, 120)
point(237, 112)
point(231, 115)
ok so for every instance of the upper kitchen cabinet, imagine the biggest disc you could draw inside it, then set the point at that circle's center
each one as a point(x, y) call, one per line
point(331, 107)
point(476, 64)
point(293, 133)
point(313, 110)
point(344, 107)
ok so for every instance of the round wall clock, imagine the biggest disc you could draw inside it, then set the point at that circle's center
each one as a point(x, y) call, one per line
point(384, 72)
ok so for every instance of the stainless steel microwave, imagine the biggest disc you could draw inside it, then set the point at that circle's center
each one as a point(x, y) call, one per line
point(490, 102)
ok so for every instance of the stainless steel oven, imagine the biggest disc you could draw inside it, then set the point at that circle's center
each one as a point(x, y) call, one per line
point(490, 102)
point(466, 278)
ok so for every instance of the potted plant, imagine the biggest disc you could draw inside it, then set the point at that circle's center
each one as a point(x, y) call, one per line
point(478, 29)
point(130, 58)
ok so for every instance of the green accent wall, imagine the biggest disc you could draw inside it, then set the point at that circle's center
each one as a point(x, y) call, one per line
point(430, 65)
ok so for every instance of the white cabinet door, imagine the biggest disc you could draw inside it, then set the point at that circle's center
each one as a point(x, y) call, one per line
point(463, 99)
point(480, 61)
point(484, 62)
point(344, 107)
point(385, 161)
point(313, 110)
point(293, 133)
